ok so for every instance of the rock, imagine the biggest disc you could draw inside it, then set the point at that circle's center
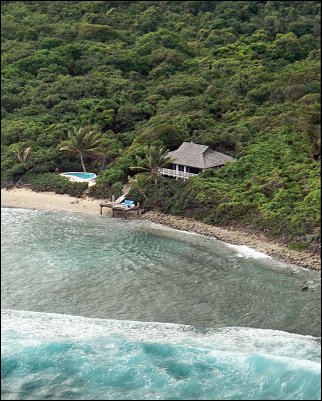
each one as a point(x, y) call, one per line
point(260, 243)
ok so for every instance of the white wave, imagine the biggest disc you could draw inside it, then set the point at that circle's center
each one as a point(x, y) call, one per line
point(245, 251)
point(161, 227)
point(313, 284)
point(39, 326)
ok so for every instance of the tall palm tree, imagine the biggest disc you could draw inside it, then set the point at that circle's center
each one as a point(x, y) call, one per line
point(155, 158)
point(83, 142)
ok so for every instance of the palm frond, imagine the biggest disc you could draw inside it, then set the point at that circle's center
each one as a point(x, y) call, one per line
point(23, 155)
point(155, 158)
point(84, 142)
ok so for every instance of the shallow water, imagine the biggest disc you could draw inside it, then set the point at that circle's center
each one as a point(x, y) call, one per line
point(134, 270)
point(98, 267)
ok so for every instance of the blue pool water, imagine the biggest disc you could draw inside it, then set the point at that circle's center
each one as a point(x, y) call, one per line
point(84, 176)
point(102, 308)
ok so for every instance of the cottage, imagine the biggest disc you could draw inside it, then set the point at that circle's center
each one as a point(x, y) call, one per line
point(191, 159)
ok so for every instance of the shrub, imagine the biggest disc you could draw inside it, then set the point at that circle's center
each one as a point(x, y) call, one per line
point(298, 246)
point(99, 191)
point(55, 183)
point(110, 176)
point(116, 189)
point(227, 213)
point(14, 173)
point(208, 173)
point(166, 195)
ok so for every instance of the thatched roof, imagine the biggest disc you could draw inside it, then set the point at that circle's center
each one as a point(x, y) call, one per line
point(198, 156)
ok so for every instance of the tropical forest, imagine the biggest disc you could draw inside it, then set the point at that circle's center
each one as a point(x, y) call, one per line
point(107, 86)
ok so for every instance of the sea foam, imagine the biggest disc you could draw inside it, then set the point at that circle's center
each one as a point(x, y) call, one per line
point(245, 251)
point(52, 356)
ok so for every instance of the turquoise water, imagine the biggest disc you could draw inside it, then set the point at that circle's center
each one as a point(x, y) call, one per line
point(100, 308)
point(85, 176)
point(49, 356)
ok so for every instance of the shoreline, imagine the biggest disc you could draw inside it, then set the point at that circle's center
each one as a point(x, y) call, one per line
point(26, 198)
point(258, 242)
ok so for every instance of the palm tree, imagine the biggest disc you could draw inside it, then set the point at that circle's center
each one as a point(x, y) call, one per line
point(139, 182)
point(83, 142)
point(155, 158)
point(23, 155)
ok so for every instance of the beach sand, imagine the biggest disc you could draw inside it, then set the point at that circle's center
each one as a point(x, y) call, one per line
point(25, 198)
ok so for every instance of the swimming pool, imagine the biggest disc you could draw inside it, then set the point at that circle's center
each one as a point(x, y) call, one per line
point(80, 177)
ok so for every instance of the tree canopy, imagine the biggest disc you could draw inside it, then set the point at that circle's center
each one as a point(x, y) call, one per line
point(240, 76)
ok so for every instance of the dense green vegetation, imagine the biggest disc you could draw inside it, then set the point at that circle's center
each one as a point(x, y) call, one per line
point(240, 76)
point(55, 183)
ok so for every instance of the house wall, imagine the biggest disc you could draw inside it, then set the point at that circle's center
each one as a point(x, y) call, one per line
point(178, 171)
point(186, 169)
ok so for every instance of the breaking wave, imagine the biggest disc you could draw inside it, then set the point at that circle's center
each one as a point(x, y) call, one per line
point(52, 356)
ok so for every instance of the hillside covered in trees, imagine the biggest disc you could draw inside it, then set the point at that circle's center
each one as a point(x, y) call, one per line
point(240, 76)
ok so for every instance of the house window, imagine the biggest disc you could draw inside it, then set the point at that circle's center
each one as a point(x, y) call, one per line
point(172, 166)
point(181, 168)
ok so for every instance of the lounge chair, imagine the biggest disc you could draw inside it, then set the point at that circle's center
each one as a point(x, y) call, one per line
point(128, 203)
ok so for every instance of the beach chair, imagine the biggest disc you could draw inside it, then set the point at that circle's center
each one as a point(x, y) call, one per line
point(128, 203)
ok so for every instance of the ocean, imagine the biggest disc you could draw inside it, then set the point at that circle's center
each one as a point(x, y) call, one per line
point(102, 308)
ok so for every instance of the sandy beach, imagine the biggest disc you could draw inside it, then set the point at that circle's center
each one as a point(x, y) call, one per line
point(25, 198)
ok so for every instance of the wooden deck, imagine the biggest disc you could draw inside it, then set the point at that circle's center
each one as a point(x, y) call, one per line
point(117, 208)
point(125, 210)
point(176, 173)
point(105, 204)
